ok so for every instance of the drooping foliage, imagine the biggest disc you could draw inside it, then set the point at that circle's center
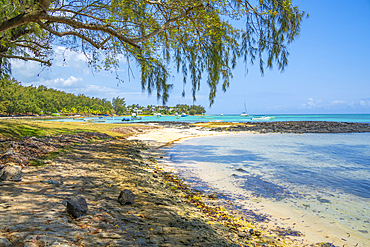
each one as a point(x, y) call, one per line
point(200, 38)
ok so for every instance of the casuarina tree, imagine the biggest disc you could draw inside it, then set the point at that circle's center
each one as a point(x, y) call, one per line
point(201, 39)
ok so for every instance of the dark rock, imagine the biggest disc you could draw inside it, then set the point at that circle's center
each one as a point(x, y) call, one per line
point(213, 196)
point(240, 170)
point(251, 232)
point(126, 197)
point(77, 206)
point(11, 173)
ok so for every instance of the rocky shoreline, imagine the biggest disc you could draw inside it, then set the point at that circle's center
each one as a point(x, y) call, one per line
point(297, 127)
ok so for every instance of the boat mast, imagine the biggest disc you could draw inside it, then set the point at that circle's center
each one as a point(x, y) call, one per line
point(245, 107)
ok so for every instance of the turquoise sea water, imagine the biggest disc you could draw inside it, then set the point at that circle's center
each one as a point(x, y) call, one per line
point(354, 118)
point(321, 175)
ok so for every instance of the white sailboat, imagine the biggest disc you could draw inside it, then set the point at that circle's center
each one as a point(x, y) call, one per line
point(244, 114)
point(262, 118)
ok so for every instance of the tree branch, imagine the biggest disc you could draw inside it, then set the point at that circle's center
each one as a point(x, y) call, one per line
point(167, 24)
point(26, 58)
point(20, 43)
point(60, 34)
point(95, 27)
point(22, 19)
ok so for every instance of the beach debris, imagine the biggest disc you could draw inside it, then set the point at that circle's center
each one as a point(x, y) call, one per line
point(282, 232)
point(324, 244)
point(322, 200)
point(126, 197)
point(257, 233)
point(11, 172)
point(77, 206)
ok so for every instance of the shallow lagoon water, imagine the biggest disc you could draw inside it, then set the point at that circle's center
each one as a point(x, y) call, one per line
point(352, 118)
point(320, 176)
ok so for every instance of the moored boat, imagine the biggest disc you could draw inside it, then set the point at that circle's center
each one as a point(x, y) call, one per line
point(262, 118)
point(245, 113)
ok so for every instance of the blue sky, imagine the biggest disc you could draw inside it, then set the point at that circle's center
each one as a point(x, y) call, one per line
point(328, 71)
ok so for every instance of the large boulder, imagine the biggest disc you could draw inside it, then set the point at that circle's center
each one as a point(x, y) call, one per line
point(126, 197)
point(11, 173)
point(77, 206)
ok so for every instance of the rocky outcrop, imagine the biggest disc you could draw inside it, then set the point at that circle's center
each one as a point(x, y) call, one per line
point(298, 127)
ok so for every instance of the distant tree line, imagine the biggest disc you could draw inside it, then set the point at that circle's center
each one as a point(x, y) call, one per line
point(192, 110)
point(16, 99)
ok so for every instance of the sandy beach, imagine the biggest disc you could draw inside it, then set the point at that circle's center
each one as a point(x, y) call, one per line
point(166, 211)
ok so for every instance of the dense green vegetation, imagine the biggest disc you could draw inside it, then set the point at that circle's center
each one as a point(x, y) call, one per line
point(201, 39)
point(16, 99)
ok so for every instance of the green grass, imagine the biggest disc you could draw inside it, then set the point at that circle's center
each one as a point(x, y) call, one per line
point(36, 163)
point(17, 128)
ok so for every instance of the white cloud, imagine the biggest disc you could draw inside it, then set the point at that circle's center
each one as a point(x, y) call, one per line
point(312, 104)
point(336, 104)
point(26, 70)
point(98, 89)
point(61, 83)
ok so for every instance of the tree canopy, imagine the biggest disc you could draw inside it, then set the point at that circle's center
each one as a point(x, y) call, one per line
point(198, 38)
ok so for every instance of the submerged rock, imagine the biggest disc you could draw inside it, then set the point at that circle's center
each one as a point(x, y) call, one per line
point(11, 173)
point(126, 197)
point(77, 206)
